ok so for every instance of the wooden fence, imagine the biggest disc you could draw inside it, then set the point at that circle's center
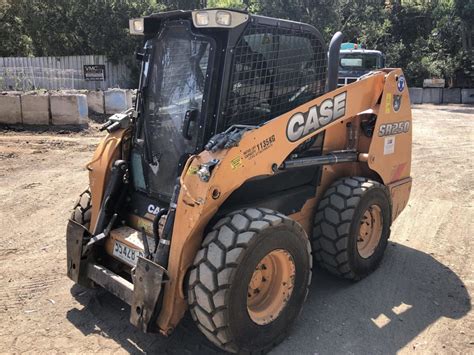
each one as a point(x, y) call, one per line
point(55, 73)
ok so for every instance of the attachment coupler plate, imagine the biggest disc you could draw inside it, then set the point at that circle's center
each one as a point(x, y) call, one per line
point(147, 282)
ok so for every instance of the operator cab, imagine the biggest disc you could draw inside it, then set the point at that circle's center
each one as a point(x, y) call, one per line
point(205, 71)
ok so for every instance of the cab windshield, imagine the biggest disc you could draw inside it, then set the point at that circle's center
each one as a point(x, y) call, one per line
point(360, 61)
point(174, 77)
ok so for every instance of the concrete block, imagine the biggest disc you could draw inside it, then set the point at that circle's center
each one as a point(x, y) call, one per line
point(95, 101)
point(433, 83)
point(467, 96)
point(69, 109)
point(73, 91)
point(416, 95)
point(117, 100)
point(11, 93)
point(131, 96)
point(35, 109)
point(432, 95)
point(451, 96)
point(10, 109)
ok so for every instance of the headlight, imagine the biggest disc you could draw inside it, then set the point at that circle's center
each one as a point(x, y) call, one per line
point(219, 18)
point(137, 26)
point(223, 18)
point(202, 18)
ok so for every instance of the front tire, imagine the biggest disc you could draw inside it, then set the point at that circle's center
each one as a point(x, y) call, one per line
point(82, 209)
point(250, 279)
point(352, 227)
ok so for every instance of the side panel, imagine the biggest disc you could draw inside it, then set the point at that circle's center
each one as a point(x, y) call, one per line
point(258, 153)
point(400, 193)
point(390, 149)
point(106, 153)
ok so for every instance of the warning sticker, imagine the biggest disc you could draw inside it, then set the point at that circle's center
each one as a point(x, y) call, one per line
point(388, 102)
point(236, 162)
point(389, 145)
point(192, 170)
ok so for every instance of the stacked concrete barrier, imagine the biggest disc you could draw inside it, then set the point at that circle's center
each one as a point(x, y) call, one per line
point(69, 109)
point(451, 96)
point(467, 96)
point(117, 100)
point(95, 101)
point(35, 108)
point(10, 108)
point(432, 95)
point(416, 95)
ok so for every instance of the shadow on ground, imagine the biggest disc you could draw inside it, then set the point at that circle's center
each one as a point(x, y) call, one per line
point(382, 313)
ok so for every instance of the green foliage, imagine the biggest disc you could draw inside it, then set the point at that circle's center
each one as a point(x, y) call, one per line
point(426, 38)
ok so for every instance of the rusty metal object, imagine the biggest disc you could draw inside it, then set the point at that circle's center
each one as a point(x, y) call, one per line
point(76, 263)
point(112, 282)
point(148, 279)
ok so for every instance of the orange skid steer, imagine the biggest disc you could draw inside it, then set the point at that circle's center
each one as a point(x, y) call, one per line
point(241, 168)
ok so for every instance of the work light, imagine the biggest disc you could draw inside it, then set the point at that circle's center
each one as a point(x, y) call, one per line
point(136, 26)
point(202, 18)
point(223, 18)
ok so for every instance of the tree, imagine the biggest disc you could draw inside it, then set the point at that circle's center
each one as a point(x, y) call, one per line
point(14, 41)
point(425, 38)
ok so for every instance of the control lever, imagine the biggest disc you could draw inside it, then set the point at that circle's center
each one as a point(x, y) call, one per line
point(190, 116)
point(146, 247)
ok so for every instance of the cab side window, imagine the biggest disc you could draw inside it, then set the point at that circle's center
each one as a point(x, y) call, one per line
point(274, 71)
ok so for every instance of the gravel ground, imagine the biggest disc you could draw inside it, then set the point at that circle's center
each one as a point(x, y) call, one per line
point(417, 301)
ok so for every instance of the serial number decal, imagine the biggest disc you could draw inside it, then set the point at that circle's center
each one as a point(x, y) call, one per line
point(302, 124)
point(259, 148)
point(390, 129)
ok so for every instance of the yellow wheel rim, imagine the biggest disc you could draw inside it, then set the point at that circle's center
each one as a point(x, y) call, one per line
point(370, 231)
point(271, 286)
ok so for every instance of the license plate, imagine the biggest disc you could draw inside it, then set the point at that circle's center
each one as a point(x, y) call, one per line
point(126, 254)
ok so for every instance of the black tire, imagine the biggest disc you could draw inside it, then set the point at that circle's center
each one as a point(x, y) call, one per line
point(337, 222)
point(223, 267)
point(82, 209)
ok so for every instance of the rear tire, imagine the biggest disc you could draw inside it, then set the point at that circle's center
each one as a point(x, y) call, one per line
point(82, 209)
point(250, 279)
point(351, 227)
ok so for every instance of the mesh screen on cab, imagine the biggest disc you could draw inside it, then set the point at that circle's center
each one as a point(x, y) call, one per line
point(274, 70)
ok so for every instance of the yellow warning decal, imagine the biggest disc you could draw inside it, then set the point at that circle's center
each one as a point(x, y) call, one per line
point(388, 102)
point(192, 170)
point(236, 162)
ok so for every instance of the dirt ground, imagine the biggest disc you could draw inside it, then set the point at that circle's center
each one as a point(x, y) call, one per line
point(417, 301)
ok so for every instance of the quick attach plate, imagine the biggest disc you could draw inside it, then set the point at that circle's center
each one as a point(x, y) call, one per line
point(76, 264)
point(147, 284)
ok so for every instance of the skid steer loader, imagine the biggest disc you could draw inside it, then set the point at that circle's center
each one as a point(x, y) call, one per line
point(241, 163)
